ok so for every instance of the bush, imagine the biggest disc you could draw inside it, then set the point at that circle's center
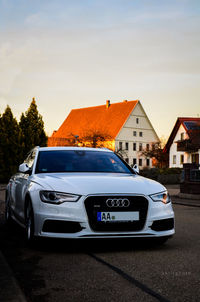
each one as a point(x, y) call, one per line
point(163, 175)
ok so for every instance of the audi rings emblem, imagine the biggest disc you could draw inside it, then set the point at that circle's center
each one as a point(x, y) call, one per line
point(118, 203)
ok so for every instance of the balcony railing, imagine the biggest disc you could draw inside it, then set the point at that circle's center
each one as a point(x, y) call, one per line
point(187, 146)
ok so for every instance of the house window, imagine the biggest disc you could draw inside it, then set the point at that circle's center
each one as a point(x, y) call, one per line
point(182, 159)
point(195, 158)
point(127, 160)
point(182, 136)
point(147, 147)
point(120, 145)
point(134, 147)
point(140, 162)
point(134, 133)
point(174, 159)
point(140, 146)
point(137, 120)
point(140, 134)
point(148, 162)
point(126, 146)
point(134, 161)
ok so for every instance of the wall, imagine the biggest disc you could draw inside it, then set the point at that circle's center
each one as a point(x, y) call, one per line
point(126, 135)
point(173, 150)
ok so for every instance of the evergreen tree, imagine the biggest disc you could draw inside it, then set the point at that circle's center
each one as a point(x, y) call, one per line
point(32, 127)
point(10, 145)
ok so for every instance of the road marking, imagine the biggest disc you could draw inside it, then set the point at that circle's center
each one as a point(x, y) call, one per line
point(131, 279)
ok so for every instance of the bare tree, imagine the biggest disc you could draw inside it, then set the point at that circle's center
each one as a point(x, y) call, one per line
point(122, 153)
point(160, 158)
point(95, 139)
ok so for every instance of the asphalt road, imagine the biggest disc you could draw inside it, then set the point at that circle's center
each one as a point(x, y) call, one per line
point(108, 270)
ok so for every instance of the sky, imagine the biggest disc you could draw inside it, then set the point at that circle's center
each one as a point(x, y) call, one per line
point(79, 53)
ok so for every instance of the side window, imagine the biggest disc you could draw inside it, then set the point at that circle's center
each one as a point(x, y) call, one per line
point(182, 159)
point(30, 159)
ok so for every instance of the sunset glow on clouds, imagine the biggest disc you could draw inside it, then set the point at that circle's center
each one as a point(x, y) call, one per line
point(71, 54)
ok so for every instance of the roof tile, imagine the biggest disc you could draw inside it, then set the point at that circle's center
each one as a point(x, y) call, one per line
point(99, 118)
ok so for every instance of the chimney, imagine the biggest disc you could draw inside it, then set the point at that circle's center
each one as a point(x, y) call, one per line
point(125, 101)
point(107, 104)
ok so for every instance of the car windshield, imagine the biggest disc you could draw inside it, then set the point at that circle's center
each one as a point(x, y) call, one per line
point(80, 161)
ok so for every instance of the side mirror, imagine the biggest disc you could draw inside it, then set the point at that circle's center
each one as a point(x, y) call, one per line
point(24, 168)
point(136, 169)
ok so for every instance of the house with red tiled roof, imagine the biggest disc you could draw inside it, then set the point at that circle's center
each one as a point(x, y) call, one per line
point(124, 125)
point(183, 145)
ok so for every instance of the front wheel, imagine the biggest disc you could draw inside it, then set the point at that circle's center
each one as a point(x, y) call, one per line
point(29, 223)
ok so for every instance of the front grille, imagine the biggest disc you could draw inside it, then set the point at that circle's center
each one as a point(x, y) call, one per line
point(60, 226)
point(96, 204)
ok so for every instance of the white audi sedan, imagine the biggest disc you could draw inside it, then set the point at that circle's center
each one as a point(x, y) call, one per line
point(72, 192)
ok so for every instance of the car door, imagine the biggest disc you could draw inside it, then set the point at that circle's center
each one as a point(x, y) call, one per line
point(21, 182)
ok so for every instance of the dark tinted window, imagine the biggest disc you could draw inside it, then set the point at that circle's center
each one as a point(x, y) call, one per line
point(80, 161)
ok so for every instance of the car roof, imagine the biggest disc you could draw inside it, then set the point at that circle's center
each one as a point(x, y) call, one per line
point(73, 149)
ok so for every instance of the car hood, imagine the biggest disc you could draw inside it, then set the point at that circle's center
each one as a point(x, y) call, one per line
point(98, 183)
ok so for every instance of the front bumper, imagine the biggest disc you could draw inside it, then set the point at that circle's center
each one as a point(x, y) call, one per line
point(71, 220)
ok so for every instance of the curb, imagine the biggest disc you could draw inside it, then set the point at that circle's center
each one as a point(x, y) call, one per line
point(10, 290)
point(186, 204)
point(189, 196)
point(185, 201)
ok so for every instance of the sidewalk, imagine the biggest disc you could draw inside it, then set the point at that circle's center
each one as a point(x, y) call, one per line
point(10, 290)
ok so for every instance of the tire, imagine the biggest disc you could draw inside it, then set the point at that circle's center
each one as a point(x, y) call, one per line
point(30, 227)
point(8, 218)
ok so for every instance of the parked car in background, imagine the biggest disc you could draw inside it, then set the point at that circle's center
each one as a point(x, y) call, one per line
point(72, 192)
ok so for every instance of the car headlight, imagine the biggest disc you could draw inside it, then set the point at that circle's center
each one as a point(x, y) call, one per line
point(162, 197)
point(57, 197)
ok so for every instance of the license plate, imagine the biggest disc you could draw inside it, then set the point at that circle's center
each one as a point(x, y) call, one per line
point(117, 216)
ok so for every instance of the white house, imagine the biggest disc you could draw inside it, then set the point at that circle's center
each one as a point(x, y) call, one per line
point(183, 145)
point(126, 124)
